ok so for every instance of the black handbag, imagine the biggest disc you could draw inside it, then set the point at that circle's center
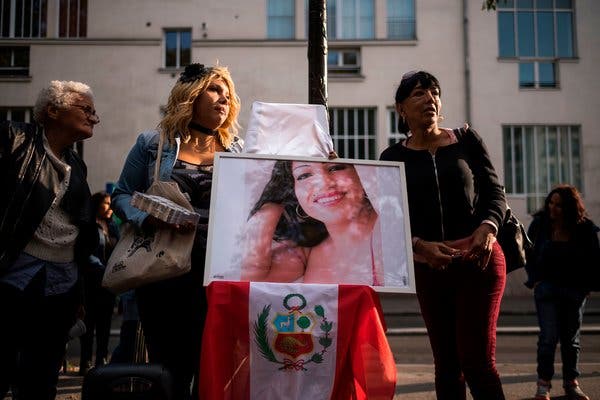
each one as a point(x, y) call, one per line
point(514, 241)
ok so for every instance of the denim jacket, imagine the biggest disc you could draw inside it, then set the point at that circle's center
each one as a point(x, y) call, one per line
point(138, 172)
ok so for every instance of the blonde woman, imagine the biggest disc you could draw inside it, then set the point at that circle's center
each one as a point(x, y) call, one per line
point(201, 119)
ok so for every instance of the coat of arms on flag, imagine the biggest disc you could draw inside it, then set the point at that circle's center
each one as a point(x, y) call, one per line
point(270, 341)
point(294, 331)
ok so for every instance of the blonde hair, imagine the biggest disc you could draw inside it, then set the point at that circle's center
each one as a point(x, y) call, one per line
point(59, 94)
point(180, 107)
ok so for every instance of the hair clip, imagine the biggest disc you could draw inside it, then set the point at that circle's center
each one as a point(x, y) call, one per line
point(409, 75)
point(193, 72)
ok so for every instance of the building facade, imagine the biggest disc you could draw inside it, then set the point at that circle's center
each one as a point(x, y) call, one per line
point(523, 76)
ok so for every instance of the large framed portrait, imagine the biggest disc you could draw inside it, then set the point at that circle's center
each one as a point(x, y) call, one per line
point(303, 219)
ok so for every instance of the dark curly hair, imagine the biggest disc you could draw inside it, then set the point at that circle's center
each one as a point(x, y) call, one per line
point(303, 230)
point(572, 205)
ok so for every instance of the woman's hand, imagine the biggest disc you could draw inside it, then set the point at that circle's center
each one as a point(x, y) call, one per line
point(437, 254)
point(478, 247)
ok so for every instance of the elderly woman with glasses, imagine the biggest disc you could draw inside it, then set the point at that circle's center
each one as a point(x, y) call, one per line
point(47, 231)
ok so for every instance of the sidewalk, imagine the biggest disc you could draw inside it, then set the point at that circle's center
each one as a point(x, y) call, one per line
point(517, 315)
point(415, 382)
point(408, 340)
point(407, 304)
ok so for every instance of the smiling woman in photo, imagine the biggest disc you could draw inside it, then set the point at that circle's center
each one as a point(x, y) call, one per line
point(313, 223)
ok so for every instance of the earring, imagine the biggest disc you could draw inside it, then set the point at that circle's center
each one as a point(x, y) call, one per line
point(299, 212)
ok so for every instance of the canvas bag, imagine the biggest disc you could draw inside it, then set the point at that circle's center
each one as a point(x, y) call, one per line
point(512, 235)
point(141, 257)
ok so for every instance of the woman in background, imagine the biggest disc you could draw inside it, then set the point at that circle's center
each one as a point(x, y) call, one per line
point(562, 268)
point(99, 302)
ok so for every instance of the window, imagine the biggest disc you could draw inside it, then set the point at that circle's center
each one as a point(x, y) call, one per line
point(72, 18)
point(14, 61)
point(178, 47)
point(280, 19)
point(537, 157)
point(353, 132)
point(342, 62)
point(350, 19)
point(18, 114)
point(538, 33)
point(23, 18)
point(401, 20)
point(393, 135)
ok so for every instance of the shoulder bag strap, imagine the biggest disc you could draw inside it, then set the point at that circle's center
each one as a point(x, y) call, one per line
point(161, 142)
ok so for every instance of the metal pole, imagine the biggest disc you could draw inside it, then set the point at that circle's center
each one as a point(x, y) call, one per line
point(317, 52)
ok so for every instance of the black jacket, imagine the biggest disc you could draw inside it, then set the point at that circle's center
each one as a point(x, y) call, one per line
point(573, 264)
point(30, 185)
point(452, 192)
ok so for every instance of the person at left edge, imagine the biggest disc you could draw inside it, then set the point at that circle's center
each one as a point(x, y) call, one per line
point(47, 230)
point(200, 119)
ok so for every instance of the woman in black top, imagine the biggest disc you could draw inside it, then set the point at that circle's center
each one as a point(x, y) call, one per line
point(201, 119)
point(562, 269)
point(456, 205)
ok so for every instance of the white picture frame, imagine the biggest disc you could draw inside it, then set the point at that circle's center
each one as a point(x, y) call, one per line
point(384, 251)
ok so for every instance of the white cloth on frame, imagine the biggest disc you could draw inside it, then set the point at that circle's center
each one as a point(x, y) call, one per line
point(288, 129)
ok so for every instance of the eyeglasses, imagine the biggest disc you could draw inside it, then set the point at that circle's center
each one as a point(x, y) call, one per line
point(89, 111)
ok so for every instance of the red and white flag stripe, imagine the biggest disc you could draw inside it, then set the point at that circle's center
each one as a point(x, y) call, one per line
point(272, 341)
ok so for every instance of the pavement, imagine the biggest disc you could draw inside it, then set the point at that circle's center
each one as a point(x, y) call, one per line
point(517, 330)
point(516, 343)
point(517, 315)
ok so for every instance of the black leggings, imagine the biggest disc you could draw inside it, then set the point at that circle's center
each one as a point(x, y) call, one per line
point(172, 313)
point(35, 332)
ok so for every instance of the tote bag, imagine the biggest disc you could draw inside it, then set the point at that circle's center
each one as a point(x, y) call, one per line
point(143, 257)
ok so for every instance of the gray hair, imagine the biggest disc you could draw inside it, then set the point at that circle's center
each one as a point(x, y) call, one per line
point(59, 94)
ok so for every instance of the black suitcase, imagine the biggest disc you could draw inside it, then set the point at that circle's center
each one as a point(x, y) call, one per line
point(127, 382)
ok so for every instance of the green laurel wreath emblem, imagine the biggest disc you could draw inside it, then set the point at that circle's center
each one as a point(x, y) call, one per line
point(262, 341)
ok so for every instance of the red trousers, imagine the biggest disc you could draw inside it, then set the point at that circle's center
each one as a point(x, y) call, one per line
point(460, 306)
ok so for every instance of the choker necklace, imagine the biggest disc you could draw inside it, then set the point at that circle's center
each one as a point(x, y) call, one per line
point(203, 129)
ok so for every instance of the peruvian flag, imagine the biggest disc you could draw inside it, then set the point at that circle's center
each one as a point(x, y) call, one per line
point(270, 341)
